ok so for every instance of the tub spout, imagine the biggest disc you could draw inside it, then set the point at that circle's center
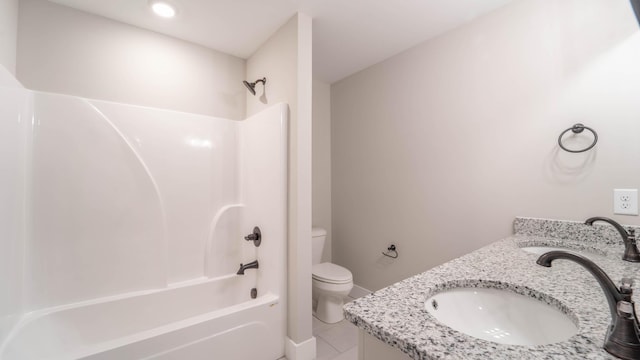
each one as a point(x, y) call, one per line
point(623, 335)
point(251, 265)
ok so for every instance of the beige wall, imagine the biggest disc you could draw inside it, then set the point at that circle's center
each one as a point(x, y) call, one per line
point(8, 33)
point(321, 194)
point(439, 148)
point(67, 51)
point(285, 60)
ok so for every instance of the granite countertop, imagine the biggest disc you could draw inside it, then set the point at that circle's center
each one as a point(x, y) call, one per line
point(396, 314)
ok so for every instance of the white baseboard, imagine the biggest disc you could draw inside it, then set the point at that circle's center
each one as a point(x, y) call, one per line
point(305, 350)
point(359, 291)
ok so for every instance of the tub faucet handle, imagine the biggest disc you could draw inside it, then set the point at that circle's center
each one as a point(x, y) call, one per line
point(255, 236)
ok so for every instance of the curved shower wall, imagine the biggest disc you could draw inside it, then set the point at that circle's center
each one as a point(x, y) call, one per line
point(193, 160)
point(139, 187)
point(97, 224)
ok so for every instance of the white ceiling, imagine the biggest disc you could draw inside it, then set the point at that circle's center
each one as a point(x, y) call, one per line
point(348, 35)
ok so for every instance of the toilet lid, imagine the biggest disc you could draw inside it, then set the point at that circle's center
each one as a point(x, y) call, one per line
point(331, 273)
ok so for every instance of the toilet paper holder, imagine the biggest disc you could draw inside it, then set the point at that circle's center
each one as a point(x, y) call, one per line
point(391, 252)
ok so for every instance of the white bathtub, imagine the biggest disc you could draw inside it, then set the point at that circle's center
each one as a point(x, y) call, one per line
point(212, 319)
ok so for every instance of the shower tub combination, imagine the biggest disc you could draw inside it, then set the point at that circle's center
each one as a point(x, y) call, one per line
point(133, 231)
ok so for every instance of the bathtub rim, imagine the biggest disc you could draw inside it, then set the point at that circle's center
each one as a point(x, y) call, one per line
point(268, 299)
point(32, 316)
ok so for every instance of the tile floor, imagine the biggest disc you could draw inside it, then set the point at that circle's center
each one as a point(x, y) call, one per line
point(335, 341)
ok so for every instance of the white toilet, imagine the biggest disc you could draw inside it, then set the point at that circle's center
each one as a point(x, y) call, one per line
point(331, 282)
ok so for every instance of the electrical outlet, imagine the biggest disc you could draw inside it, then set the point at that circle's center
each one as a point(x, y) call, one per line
point(625, 201)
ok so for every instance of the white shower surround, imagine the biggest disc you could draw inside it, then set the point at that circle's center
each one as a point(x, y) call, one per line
point(133, 228)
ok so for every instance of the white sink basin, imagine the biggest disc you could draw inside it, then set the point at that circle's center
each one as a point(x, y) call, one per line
point(500, 316)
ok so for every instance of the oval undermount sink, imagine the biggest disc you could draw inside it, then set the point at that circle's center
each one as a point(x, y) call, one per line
point(500, 316)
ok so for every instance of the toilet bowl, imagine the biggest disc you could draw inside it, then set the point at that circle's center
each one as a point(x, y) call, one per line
point(331, 283)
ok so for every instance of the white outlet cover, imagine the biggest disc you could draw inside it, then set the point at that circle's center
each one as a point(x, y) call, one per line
point(625, 201)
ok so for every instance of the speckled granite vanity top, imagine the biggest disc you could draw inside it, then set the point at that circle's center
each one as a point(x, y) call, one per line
point(396, 315)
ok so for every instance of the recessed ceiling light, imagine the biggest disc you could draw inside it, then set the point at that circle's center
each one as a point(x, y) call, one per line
point(163, 9)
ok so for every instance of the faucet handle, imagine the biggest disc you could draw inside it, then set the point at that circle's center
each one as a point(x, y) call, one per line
point(626, 286)
point(625, 309)
point(255, 236)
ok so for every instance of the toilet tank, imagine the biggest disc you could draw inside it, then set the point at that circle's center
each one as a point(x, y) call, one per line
point(318, 237)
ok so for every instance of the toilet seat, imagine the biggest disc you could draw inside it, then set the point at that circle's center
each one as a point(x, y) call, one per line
point(331, 273)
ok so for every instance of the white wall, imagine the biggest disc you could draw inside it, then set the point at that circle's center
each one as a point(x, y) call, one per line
point(67, 51)
point(321, 193)
point(438, 148)
point(285, 60)
point(8, 33)
point(275, 59)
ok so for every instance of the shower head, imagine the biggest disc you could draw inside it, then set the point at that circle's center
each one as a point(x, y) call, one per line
point(252, 86)
point(635, 4)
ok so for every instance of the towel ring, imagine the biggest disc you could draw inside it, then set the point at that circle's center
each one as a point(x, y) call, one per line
point(577, 129)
